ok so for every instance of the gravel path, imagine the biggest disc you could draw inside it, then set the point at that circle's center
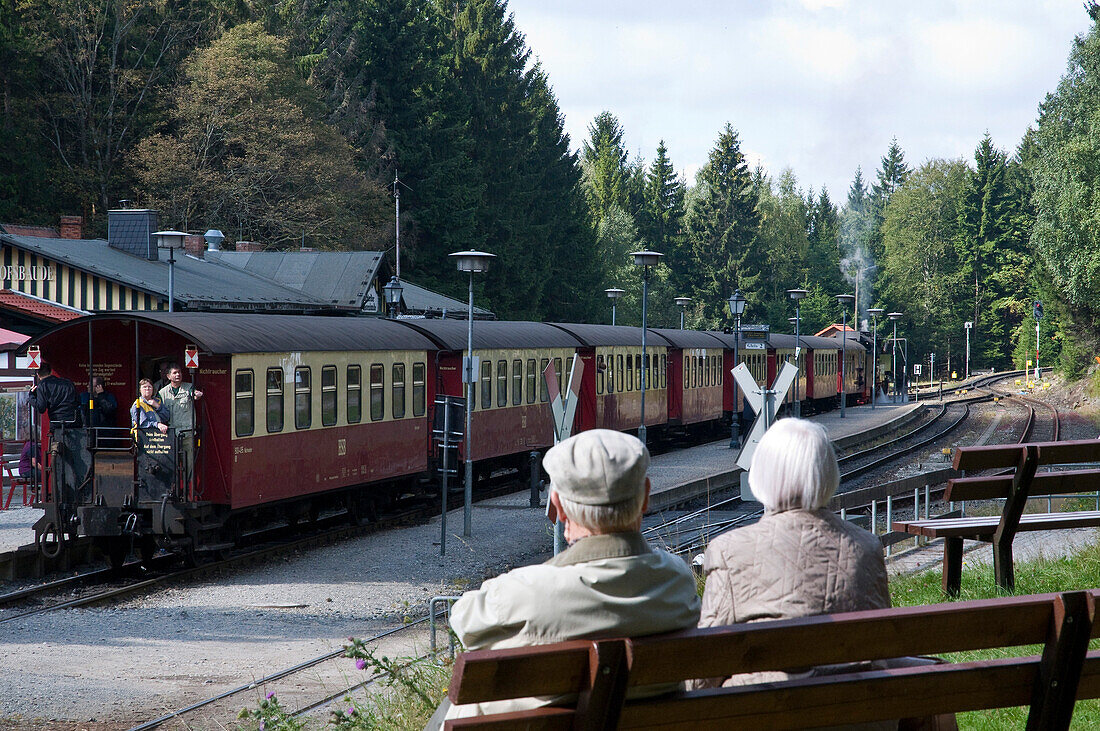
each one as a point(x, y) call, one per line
point(110, 668)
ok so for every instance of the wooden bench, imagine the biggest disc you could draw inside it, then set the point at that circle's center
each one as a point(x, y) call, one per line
point(1015, 488)
point(599, 673)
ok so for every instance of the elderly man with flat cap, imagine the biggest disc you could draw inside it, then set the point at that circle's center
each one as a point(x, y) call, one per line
point(608, 583)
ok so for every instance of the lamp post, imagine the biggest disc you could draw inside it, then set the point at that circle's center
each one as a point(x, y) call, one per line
point(392, 292)
point(874, 312)
point(844, 300)
point(682, 303)
point(895, 316)
point(644, 259)
point(797, 295)
point(172, 241)
point(473, 262)
point(614, 294)
point(737, 308)
point(968, 325)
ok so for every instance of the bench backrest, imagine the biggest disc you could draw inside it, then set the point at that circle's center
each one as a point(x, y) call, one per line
point(1025, 457)
point(600, 672)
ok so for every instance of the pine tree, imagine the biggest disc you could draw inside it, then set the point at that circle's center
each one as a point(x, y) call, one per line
point(607, 174)
point(824, 239)
point(857, 193)
point(985, 229)
point(891, 176)
point(722, 228)
point(661, 219)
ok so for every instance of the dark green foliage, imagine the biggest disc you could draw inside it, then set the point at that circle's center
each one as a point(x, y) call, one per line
point(722, 229)
point(1063, 160)
point(661, 218)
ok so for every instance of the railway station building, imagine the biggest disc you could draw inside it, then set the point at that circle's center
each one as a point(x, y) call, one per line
point(50, 275)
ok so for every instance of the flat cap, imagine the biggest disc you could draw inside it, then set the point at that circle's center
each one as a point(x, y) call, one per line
point(598, 467)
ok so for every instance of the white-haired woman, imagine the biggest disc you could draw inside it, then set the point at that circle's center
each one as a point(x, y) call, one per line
point(800, 559)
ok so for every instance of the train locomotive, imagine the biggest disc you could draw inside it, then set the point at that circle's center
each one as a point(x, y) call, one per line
point(302, 414)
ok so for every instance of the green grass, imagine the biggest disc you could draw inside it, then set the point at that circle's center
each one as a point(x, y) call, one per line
point(1080, 571)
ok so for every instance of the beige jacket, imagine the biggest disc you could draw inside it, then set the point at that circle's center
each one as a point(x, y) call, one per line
point(798, 563)
point(611, 585)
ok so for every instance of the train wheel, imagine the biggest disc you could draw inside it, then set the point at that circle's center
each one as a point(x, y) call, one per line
point(148, 549)
point(117, 549)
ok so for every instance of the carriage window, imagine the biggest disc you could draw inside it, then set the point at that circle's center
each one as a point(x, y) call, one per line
point(599, 374)
point(699, 369)
point(532, 378)
point(328, 396)
point(303, 398)
point(419, 393)
point(355, 394)
point(638, 370)
point(568, 371)
point(619, 373)
point(648, 377)
point(398, 386)
point(707, 362)
point(486, 384)
point(687, 371)
point(629, 371)
point(557, 368)
point(274, 400)
point(245, 403)
point(377, 392)
point(502, 383)
point(610, 373)
point(664, 365)
point(517, 382)
point(544, 393)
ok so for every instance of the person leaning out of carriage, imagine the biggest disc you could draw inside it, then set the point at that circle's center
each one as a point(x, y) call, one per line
point(608, 583)
point(147, 411)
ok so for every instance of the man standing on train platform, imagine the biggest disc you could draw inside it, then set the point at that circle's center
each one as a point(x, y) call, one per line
point(179, 398)
point(609, 583)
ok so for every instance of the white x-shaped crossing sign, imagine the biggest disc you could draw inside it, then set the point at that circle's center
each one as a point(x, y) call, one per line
point(764, 402)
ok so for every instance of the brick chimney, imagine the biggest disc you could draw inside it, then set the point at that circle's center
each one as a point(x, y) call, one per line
point(72, 227)
point(249, 246)
point(194, 244)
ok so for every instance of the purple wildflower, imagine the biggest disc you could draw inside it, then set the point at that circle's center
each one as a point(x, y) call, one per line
point(351, 710)
point(361, 664)
point(261, 725)
point(270, 694)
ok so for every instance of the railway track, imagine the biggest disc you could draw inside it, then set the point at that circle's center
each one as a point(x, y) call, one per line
point(185, 716)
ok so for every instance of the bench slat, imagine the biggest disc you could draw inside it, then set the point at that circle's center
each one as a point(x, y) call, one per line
point(537, 719)
point(769, 645)
point(1008, 455)
point(1046, 483)
point(842, 699)
point(985, 526)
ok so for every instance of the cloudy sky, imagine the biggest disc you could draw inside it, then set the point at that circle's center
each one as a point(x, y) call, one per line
point(819, 86)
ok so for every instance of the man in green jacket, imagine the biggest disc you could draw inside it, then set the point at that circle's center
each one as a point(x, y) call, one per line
point(608, 583)
point(179, 398)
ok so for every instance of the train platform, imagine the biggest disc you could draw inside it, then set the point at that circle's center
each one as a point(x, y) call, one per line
point(698, 471)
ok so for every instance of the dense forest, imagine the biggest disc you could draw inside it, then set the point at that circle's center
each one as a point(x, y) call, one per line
point(297, 122)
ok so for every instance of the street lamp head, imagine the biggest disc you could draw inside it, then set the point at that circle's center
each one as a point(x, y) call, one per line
point(895, 316)
point(682, 302)
point(392, 292)
point(845, 300)
point(614, 293)
point(170, 239)
point(472, 261)
point(875, 311)
point(646, 258)
point(797, 294)
point(737, 303)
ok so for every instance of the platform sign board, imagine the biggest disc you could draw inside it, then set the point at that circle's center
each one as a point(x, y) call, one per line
point(34, 354)
point(763, 401)
point(191, 356)
point(916, 369)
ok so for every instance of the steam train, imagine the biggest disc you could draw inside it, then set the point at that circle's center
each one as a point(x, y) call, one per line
point(303, 414)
